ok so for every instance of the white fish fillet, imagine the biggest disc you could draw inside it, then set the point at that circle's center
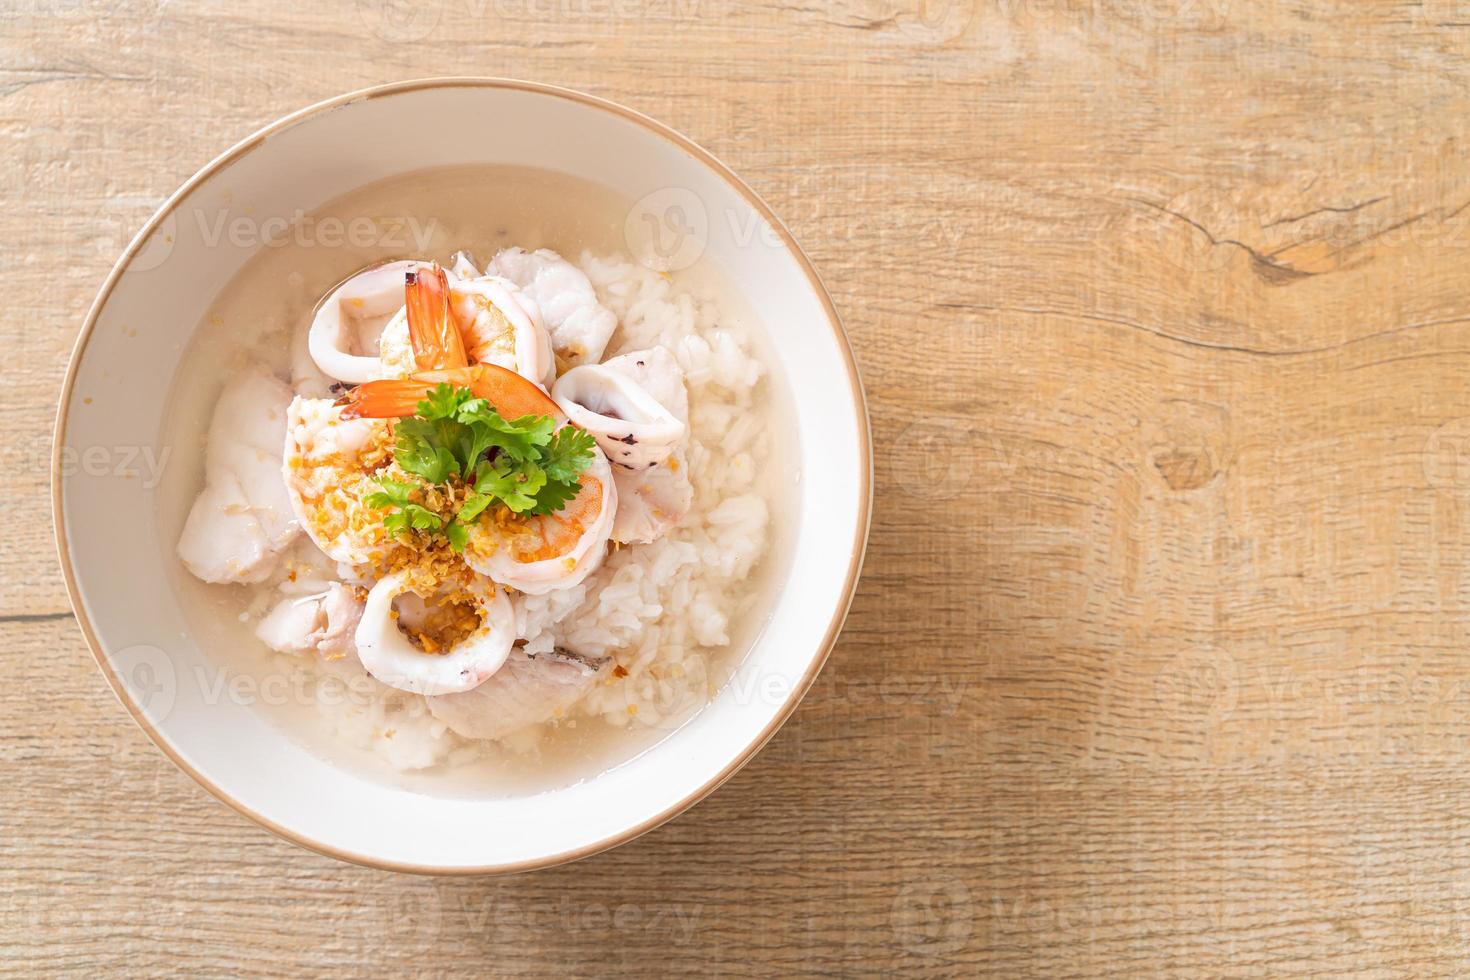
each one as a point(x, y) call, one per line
point(322, 624)
point(651, 501)
point(525, 691)
point(243, 519)
point(579, 325)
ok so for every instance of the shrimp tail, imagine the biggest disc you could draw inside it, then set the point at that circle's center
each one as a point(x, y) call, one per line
point(386, 398)
point(508, 393)
point(432, 328)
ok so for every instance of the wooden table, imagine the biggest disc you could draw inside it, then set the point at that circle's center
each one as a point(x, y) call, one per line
point(1159, 664)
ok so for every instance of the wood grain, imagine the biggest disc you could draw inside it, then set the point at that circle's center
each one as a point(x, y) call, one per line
point(1159, 663)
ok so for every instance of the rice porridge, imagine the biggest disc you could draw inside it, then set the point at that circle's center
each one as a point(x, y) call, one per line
point(474, 503)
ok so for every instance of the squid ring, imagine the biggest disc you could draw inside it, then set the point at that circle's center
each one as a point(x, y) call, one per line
point(389, 656)
point(377, 291)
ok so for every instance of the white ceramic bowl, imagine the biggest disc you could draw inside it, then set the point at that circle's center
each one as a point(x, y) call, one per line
point(113, 403)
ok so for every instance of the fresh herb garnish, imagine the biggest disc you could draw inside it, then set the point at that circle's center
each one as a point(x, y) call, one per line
point(409, 515)
point(527, 464)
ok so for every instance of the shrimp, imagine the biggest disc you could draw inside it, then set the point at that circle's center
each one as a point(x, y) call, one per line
point(503, 326)
point(537, 554)
point(369, 295)
point(389, 398)
point(432, 332)
point(391, 658)
point(422, 336)
point(579, 325)
point(331, 465)
point(489, 320)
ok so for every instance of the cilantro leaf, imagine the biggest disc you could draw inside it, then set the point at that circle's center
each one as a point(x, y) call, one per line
point(515, 484)
point(458, 439)
point(412, 517)
point(518, 438)
point(408, 516)
point(394, 494)
point(474, 505)
point(457, 533)
point(423, 448)
point(443, 402)
point(553, 497)
point(568, 454)
point(422, 519)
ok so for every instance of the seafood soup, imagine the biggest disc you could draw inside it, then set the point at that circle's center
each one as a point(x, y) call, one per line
point(472, 501)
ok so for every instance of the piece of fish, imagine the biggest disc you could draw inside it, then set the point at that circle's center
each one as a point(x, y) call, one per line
point(321, 624)
point(579, 325)
point(242, 520)
point(651, 501)
point(462, 266)
point(526, 690)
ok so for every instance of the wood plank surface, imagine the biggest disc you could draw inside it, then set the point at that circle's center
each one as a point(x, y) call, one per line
point(1159, 664)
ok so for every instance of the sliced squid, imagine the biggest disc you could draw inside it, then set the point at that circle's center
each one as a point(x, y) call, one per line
point(541, 554)
point(527, 690)
point(243, 518)
point(657, 372)
point(306, 378)
point(330, 467)
point(653, 500)
point(579, 325)
point(388, 655)
point(352, 310)
point(323, 624)
point(632, 427)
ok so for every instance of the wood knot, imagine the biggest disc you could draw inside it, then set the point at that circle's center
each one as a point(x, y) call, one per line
point(1184, 469)
point(1187, 442)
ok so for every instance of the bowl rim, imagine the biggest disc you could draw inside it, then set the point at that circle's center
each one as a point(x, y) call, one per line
point(682, 142)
